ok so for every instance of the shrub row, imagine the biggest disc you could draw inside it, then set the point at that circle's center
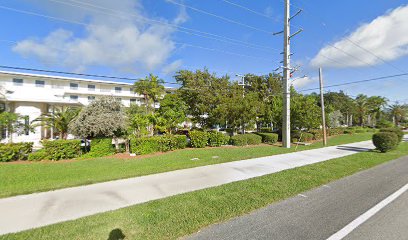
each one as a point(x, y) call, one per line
point(201, 139)
point(246, 139)
point(100, 147)
point(146, 145)
point(396, 131)
point(15, 151)
point(270, 138)
point(61, 149)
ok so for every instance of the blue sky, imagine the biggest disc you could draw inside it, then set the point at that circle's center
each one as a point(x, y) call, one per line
point(135, 37)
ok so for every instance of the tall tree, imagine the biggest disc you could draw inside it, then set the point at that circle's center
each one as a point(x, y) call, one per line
point(362, 108)
point(152, 89)
point(398, 113)
point(172, 112)
point(104, 117)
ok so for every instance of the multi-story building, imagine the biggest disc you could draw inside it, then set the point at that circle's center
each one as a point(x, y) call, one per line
point(31, 95)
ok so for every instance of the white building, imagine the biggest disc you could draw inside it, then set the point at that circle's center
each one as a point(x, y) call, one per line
point(31, 95)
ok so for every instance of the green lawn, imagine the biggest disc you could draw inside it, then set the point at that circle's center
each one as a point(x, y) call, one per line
point(43, 176)
point(184, 214)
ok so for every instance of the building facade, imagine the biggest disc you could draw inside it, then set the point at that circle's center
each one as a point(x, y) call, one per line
point(31, 95)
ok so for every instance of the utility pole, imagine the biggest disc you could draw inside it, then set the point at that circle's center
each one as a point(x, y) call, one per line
point(286, 79)
point(322, 104)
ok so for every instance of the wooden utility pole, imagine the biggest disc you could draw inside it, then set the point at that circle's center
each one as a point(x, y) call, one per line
point(322, 104)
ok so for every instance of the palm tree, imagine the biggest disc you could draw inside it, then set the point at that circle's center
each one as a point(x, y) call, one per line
point(59, 119)
point(376, 104)
point(361, 108)
point(151, 87)
point(398, 113)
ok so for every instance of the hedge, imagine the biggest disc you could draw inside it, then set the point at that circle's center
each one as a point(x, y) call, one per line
point(146, 145)
point(335, 131)
point(302, 137)
point(270, 138)
point(246, 139)
point(266, 130)
point(397, 131)
point(217, 139)
point(317, 135)
point(385, 141)
point(100, 147)
point(15, 151)
point(198, 139)
point(38, 155)
point(62, 149)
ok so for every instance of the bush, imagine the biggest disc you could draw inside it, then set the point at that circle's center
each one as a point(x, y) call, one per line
point(335, 131)
point(246, 139)
point(317, 135)
point(384, 124)
point(62, 149)
point(266, 130)
point(217, 139)
point(349, 131)
point(146, 145)
point(38, 155)
point(397, 131)
point(100, 147)
point(385, 141)
point(302, 137)
point(15, 151)
point(360, 130)
point(270, 138)
point(198, 139)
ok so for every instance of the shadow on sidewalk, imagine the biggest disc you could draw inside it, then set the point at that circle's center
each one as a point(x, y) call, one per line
point(354, 149)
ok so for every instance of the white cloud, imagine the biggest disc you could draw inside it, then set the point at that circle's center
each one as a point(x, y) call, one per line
point(386, 37)
point(303, 82)
point(172, 67)
point(117, 38)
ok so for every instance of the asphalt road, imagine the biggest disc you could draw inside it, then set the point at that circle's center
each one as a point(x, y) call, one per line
point(322, 212)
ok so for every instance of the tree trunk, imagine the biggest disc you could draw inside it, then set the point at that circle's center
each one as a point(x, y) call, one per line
point(116, 144)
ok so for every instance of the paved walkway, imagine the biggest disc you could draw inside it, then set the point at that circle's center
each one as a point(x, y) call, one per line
point(35, 210)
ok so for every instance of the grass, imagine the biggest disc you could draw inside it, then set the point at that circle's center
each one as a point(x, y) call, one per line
point(184, 214)
point(43, 176)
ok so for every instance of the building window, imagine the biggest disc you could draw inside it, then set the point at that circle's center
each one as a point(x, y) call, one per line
point(73, 97)
point(73, 86)
point(91, 98)
point(118, 89)
point(18, 82)
point(91, 87)
point(133, 101)
point(39, 83)
point(26, 125)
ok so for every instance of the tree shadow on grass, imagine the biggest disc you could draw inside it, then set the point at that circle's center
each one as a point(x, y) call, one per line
point(116, 234)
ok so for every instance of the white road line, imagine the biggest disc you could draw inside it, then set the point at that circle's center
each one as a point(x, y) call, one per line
point(365, 216)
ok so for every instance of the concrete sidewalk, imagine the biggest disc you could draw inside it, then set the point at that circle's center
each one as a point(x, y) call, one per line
point(35, 210)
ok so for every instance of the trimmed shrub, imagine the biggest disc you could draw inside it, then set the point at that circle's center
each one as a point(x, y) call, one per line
point(302, 137)
point(270, 138)
point(217, 139)
point(385, 141)
point(38, 155)
point(317, 135)
point(100, 147)
point(266, 130)
point(335, 131)
point(360, 130)
point(349, 131)
point(246, 139)
point(165, 143)
point(15, 151)
point(397, 131)
point(198, 139)
point(384, 124)
point(62, 149)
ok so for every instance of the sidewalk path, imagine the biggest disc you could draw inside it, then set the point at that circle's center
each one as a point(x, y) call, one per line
point(39, 209)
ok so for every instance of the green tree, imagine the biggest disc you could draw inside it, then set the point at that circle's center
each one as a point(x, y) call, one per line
point(104, 117)
point(398, 113)
point(12, 123)
point(305, 112)
point(172, 112)
point(59, 119)
point(152, 89)
point(362, 108)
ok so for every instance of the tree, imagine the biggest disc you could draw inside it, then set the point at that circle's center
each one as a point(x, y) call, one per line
point(104, 117)
point(172, 112)
point(305, 112)
point(11, 122)
point(59, 119)
point(151, 87)
point(375, 108)
point(361, 108)
point(398, 113)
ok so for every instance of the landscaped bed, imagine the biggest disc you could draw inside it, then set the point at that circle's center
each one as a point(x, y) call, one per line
point(184, 214)
point(43, 176)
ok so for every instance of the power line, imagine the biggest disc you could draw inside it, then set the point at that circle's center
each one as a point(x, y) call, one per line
point(219, 17)
point(248, 9)
point(182, 29)
point(360, 81)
